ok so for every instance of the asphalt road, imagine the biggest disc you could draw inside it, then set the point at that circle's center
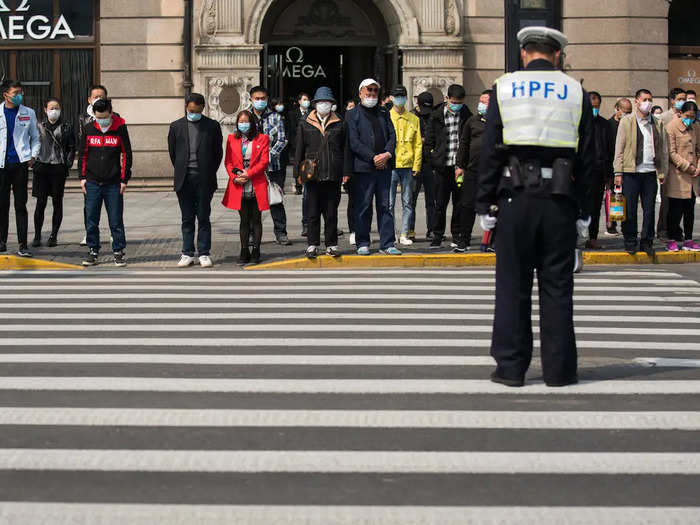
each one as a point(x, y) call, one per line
point(339, 397)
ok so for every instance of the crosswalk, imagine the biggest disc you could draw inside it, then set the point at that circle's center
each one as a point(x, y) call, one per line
point(339, 397)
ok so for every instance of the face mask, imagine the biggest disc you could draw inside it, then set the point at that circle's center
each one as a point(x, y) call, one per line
point(305, 104)
point(679, 104)
point(53, 114)
point(104, 123)
point(370, 102)
point(279, 108)
point(334, 108)
point(194, 117)
point(244, 127)
point(17, 99)
point(688, 122)
point(596, 112)
point(645, 107)
point(323, 108)
point(456, 107)
point(399, 101)
point(260, 105)
point(482, 108)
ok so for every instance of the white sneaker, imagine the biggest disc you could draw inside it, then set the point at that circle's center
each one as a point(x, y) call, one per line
point(185, 261)
point(352, 238)
point(405, 241)
point(84, 241)
point(205, 261)
point(453, 244)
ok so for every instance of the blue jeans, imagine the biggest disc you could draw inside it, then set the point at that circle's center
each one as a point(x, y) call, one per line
point(638, 186)
point(365, 187)
point(403, 176)
point(426, 179)
point(114, 202)
point(195, 202)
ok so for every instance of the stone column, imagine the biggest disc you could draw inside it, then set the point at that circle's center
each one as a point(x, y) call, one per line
point(431, 68)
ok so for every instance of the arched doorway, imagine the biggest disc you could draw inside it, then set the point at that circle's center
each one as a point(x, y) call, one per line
point(326, 42)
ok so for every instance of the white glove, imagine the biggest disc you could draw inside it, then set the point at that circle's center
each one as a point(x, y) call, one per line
point(488, 223)
point(582, 227)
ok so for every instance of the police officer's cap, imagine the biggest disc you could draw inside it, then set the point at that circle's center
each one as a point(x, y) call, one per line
point(542, 35)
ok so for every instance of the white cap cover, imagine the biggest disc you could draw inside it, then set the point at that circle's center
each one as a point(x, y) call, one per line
point(368, 82)
point(542, 35)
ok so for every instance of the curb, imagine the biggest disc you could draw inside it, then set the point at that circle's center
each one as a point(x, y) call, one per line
point(462, 260)
point(13, 262)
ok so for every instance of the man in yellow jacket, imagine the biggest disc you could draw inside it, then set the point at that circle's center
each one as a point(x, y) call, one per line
point(409, 158)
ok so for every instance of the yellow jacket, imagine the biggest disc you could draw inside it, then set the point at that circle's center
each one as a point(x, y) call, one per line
point(409, 144)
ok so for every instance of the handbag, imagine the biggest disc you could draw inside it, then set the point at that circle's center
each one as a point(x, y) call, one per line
point(309, 166)
point(275, 195)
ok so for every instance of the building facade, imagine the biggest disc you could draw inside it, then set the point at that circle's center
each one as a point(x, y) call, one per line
point(150, 53)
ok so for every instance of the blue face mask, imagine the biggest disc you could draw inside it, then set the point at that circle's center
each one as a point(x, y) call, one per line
point(596, 112)
point(679, 104)
point(399, 101)
point(244, 127)
point(17, 99)
point(194, 117)
point(260, 105)
point(104, 122)
point(456, 107)
point(305, 104)
point(482, 108)
point(688, 122)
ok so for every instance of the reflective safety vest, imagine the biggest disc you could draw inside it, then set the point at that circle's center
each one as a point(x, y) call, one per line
point(540, 108)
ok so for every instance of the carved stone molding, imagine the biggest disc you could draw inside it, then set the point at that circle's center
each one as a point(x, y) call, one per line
point(215, 85)
point(221, 57)
point(453, 18)
point(207, 21)
point(421, 84)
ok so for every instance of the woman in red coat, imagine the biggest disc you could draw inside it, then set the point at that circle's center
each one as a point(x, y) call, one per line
point(247, 158)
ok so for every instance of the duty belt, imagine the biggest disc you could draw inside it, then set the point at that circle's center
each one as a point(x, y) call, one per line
point(546, 172)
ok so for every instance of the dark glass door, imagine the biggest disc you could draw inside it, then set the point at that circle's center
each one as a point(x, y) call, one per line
point(525, 13)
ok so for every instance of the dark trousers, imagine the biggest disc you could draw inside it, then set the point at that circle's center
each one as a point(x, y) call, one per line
point(110, 194)
point(535, 234)
point(467, 209)
point(14, 178)
point(426, 180)
point(681, 209)
point(251, 223)
point(279, 215)
point(322, 200)
point(636, 187)
point(597, 199)
point(366, 187)
point(446, 189)
point(351, 207)
point(662, 226)
point(48, 181)
point(195, 203)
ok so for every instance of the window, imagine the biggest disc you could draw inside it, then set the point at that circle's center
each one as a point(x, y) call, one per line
point(50, 46)
point(524, 13)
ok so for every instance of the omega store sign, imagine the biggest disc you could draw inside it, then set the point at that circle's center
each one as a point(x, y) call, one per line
point(19, 23)
point(305, 69)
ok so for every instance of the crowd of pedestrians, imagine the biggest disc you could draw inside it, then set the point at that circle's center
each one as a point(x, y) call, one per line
point(375, 150)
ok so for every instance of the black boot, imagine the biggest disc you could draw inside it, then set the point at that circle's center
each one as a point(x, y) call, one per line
point(255, 255)
point(244, 258)
point(37, 241)
point(53, 241)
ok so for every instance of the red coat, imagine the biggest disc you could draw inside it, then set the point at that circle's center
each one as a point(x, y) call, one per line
point(259, 160)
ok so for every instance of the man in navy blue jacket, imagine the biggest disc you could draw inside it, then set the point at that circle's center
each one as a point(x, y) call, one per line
point(371, 143)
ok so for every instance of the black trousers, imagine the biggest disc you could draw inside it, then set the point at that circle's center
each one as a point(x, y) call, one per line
point(322, 200)
point(251, 223)
point(662, 226)
point(195, 204)
point(681, 209)
point(351, 207)
point(48, 181)
point(14, 179)
point(446, 189)
point(597, 198)
point(467, 209)
point(535, 234)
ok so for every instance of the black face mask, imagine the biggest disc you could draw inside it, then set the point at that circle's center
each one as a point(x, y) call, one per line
point(389, 105)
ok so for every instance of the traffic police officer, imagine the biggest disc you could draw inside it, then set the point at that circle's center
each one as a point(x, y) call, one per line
point(536, 166)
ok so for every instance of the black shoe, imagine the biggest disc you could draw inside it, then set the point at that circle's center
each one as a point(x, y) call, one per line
point(255, 255)
point(52, 242)
point(567, 382)
point(284, 240)
point(36, 242)
point(333, 251)
point(461, 248)
point(119, 259)
point(648, 248)
point(632, 250)
point(429, 236)
point(436, 243)
point(311, 252)
point(244, 257)
point(3, 247)
point(23, 252)
point(91, 259)
point(508, 382)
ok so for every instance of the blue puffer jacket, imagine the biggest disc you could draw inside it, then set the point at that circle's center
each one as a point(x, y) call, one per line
point(359, 154)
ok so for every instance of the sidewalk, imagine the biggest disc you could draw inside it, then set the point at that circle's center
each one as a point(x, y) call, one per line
point(154, 239)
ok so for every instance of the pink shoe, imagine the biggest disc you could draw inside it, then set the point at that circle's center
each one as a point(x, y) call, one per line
point(691, 246)
point(672, 246)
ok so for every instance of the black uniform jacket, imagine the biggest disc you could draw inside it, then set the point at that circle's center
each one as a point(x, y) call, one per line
point(209, 153)
point(494, 155)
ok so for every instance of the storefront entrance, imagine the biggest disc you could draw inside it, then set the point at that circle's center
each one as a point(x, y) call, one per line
point(326, 42)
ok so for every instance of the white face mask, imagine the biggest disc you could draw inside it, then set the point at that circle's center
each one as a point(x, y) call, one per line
point(645, 107)
point(323, 108)
point(369, 102)
point(53, 114)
